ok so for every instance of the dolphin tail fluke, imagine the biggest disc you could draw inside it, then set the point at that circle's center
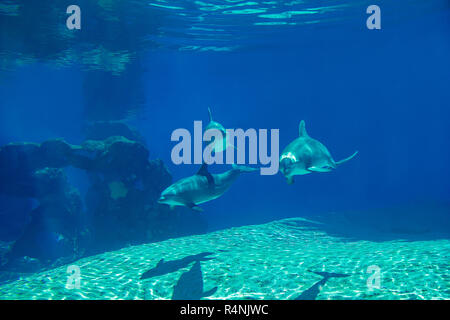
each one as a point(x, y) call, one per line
point(209, 292)
point(347, 159)
point(243, 168)
point(210, 114)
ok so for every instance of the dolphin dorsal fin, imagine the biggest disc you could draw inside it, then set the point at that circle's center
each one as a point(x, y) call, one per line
point(203, 171)
point(302, 129)
point(210, 114)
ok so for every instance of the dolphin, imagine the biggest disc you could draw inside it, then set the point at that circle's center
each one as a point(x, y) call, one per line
point(221, 144)
point(313, 292)
point(190, 285)
point(201, 187)
point(305, 155)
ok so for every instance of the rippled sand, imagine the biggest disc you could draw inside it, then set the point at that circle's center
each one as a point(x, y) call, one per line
point(270, 261)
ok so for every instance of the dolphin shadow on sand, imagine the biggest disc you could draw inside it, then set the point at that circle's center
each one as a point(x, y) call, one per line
point(164, 267)
point(313, 292)
point(190, 285)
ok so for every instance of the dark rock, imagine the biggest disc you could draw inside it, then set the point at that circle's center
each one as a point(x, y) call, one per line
point(55, 153)
point(123, 203)
point(17, 157)
point(14, 216)
point(48, 182)
point(102, 130)
point(120, 206)
point(56, 224)
point(25, 265)
point(17, 163)
point(116, 155)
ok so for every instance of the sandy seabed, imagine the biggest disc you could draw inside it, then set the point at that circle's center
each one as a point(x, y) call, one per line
point(277, 260)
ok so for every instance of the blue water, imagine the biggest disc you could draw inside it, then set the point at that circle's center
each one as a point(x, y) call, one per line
point(382, 92)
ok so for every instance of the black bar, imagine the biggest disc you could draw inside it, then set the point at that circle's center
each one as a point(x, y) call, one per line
point(235, 309)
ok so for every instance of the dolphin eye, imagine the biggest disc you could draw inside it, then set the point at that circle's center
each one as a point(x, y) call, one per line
point(289, 156)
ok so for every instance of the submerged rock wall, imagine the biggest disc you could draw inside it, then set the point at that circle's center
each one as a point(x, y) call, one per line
point(120, 207)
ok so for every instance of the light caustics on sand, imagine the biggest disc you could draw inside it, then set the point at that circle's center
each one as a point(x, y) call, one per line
point(287, 259)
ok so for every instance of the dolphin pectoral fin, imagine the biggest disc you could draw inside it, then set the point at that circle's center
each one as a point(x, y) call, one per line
point(195, 207)
point(171, 207)
point(243, 168)
point(209, 292)
point(290, 180)
point(347, 159)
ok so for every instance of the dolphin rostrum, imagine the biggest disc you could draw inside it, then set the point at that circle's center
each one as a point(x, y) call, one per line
point(305, 155)
point(201, 187)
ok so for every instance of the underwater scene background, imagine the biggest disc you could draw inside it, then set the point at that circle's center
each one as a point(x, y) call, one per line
point(86, 118)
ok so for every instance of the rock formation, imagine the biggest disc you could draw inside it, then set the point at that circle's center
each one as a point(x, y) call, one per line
point(119, 209)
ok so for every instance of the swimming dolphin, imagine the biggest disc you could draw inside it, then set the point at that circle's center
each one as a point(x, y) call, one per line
point(221, 144)
point(201, 187)
point(313, 292)
point(305, 155)
point(190, 285)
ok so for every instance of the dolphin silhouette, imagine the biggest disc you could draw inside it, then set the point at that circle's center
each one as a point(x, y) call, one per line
point(306, 155)
point(165, 267)
point(313, 292)
point(201, 187)
point(190, 285)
